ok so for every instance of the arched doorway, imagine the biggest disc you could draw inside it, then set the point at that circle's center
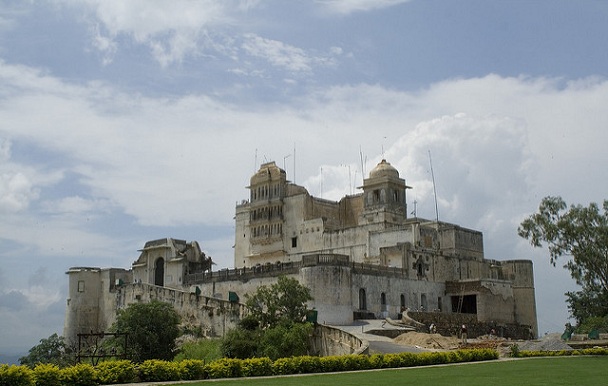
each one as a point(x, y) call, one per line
point(383, 307)
point(362, 299)
point(159, 272)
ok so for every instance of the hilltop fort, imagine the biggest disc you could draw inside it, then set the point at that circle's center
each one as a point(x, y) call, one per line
point(362, 257)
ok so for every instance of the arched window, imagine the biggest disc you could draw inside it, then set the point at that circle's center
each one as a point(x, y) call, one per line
point(402, 302)
point(362, 299)
point(159, 272)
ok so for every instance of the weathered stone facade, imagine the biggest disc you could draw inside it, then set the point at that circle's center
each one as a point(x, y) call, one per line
point(361, 257)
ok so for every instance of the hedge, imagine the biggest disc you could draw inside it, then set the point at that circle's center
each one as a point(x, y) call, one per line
point(121, 371)
point(586, 351)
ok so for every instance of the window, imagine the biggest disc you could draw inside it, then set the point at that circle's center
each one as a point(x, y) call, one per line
point(80, 285)
point(423, 303)
point(383, 307)
point(362, 299)
point(294, 242)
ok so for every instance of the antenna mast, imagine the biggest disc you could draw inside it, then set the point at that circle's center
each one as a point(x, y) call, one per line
point(434, 189)
point(362, 165)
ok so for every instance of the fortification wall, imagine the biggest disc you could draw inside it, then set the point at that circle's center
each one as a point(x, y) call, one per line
point(332, 341)
point(214, 316)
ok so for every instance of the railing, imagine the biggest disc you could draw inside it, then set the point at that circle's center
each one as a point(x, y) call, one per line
point(278, 269)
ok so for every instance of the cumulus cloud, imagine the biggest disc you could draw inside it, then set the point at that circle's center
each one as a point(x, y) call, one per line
point(16, 189)
point(22, 308)
point(172, 30)
point(282, 55)
point(345, 7)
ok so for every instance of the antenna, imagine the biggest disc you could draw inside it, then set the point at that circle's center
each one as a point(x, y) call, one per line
point(294, 162)
point(383, 157)
point(255, 162)
point(362, 165)
point(321, 184)
point(434, 189)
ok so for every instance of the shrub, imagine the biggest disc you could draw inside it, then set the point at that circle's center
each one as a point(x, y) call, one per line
point(11, 375)
point(514, 350)
point(81, 374)
point(47, 375)
point(224, 368)
point(122, 371)
point(192, 369)
point(255, 367)
point(154, 370)
point(204, 349)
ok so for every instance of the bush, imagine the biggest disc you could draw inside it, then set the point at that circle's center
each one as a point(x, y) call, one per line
point(204, 349)
point(47, 375)
point(225, 368)
point(81, 374)
point(122, 371)
point(154, 370)
point(256, 367)
point(11, 375)
point(192, 369)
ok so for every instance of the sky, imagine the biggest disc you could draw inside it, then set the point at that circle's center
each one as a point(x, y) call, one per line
point(123, 122)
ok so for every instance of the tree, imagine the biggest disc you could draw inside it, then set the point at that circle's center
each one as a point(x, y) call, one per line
point(581, 233)
point(50, 350)
point(275, 325)
point(284, 301)
point(152, 329)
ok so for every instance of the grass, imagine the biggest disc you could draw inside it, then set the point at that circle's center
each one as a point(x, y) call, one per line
point(553, 371)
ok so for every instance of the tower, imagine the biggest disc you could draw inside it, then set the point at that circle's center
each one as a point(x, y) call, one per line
point(259, 222)
point(384, 198)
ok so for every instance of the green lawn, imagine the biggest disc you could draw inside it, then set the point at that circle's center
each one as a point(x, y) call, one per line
point(533, 371)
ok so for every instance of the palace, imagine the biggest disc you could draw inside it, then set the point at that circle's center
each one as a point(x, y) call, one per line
point(362, 257)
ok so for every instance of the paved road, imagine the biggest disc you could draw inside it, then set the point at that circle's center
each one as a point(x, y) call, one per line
point(377, 343)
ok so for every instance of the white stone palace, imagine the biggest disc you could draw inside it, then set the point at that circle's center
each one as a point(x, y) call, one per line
point(362, 257)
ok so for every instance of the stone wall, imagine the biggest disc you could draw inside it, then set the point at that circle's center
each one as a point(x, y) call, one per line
point(448, 324)
point(332, 341)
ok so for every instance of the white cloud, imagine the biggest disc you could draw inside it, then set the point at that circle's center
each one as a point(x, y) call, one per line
point(22, 308)
point(498, 146)
point(282, 55)
point(172, 30)
point(20, 184)
point(345, 7)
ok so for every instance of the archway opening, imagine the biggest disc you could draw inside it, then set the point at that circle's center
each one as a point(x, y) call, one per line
point(362, 299)
point(159, 272)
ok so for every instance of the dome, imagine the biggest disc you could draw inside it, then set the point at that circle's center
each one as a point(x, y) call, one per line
point(384, 169)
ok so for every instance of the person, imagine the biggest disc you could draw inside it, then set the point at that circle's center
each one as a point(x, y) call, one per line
point(463, 333)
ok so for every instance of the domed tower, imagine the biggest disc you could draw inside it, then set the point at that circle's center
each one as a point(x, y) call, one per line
point(384, 199)
point(259, 221)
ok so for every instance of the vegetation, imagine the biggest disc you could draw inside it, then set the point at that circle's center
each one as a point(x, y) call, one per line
point(275, 325)
point(539, 371)
point(157, 370)
point(205, 349)
point(52, 350)
point(580, 233)
point(152, 329)
point(284, 301)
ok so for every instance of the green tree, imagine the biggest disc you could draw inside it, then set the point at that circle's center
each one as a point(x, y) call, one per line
point(51, 350)
point(275, 325)
point(284, 301)
point(152, 329)
point(582, 234)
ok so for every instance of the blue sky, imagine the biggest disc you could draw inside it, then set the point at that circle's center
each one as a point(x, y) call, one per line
point(122, 122)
